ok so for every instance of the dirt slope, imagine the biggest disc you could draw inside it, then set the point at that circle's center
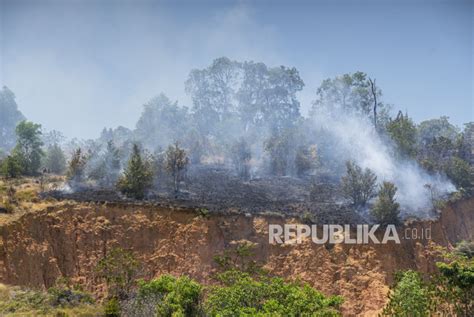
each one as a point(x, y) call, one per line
point(69, 239)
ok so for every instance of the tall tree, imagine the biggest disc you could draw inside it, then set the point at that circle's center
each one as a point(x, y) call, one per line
point(351, 93)
point(213, 91)
point(28, 148)
point(161, 122)
point(10, 116)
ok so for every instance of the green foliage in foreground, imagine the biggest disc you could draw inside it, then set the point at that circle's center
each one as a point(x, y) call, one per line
point(410, 297)
point(450, 292)
point(243, 295)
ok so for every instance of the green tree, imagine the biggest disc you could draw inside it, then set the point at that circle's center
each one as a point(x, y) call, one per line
point(10, 167)
point(409, 297)
point(358, 185)
point(137, 177)
point(386, 210)
point(402, 131)
point(55, 161)
point(176, 161)
point(28, 147)
point(461, 173)
point(456, 284)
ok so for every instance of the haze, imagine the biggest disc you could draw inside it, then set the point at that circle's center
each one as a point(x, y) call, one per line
point(78, 66)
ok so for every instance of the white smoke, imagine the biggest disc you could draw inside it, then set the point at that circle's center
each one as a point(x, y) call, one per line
point(355, 139)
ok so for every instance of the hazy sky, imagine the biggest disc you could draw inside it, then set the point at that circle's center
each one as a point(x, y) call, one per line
point(77, 66)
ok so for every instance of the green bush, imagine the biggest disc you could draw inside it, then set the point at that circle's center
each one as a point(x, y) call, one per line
point(177, 296)
point(243, 295)
point(112, 308)
point(409, 297)
point(386, 210)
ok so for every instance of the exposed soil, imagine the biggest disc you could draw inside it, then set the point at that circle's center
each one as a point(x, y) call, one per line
point(68, 239)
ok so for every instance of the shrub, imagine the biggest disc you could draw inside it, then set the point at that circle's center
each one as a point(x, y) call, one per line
point(358, 185)
point(177, 296)
point(409, 297)
point(119, 269)
point(112, 308)
point(240, 294)
point(386, 210)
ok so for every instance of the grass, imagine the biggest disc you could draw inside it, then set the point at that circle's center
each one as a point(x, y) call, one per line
point(16, 301)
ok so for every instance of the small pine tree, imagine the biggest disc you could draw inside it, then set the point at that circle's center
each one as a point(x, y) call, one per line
point(386, 210)
point(176, 162)
point(137, 177)
point(75, 172)
point(358, 185)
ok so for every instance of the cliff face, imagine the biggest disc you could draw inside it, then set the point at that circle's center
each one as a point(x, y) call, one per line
point(69, 239)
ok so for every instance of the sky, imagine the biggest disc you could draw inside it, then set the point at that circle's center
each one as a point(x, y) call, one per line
point(78, 66)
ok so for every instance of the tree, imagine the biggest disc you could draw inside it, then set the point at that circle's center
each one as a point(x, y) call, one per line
point(352, 93)
point(402, 131)
point(28, 147)
point(119, 269)
point(455, 285)
point(55, 161)
point(77, 164)
point(279, 148)
point(213, 91)
point(409, 297)
point(435, 128)
point(161, 121)
point(107, 166)
point(176, 161)
point(137, 177)
point(267, 96)
point(241, 156)
point(358, 185)
point(461, 173)
point(386, 210)
point(10, 116)
point(10, 167)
